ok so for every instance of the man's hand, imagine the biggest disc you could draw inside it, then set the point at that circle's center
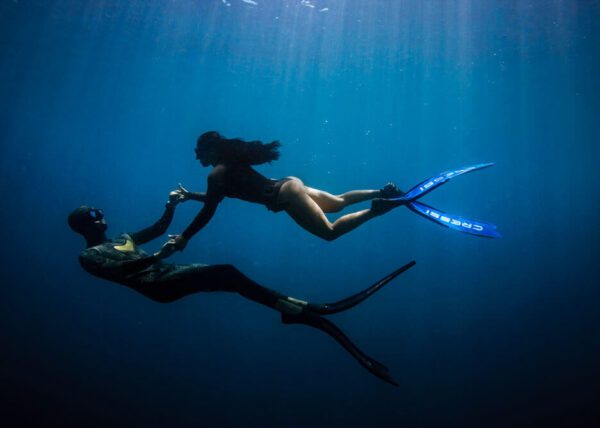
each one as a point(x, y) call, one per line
point(175, 243)
point(181, 194)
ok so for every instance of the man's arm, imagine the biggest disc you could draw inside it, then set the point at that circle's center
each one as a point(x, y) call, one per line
point(178, 195)
point(181, 194)
point(158, 228)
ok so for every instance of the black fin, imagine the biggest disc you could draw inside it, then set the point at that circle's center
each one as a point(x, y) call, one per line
point(313, 320)
point(350, 302)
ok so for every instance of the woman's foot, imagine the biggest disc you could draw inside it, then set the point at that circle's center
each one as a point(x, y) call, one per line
point(381, 206)
point(390, 191)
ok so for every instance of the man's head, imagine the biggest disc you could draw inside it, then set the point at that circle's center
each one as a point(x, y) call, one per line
point(88, 221)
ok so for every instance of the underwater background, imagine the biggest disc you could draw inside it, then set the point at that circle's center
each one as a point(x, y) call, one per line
point(101, 103)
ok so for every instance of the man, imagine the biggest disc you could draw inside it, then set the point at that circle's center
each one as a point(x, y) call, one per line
point(121, 260)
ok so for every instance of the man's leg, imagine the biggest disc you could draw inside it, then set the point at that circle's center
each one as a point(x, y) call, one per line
point(184, 280)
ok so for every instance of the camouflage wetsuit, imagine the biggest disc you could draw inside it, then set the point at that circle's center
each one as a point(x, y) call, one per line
point(121, 260)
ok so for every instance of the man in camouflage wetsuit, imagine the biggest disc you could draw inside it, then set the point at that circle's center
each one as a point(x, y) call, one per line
point(121, 260)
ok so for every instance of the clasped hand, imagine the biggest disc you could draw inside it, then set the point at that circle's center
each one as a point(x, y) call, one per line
point(175, 243)
point(181, 194)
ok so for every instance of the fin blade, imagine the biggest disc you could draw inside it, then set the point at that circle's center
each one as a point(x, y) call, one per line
point(455, 222)
point(373, 366)
point(355, 299)
point(432, 183)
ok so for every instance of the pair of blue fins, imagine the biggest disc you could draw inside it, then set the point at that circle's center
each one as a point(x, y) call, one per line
point(455, 222)
point(313, 315)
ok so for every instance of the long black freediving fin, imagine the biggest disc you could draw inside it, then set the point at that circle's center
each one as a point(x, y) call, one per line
point(307, 318)
point(300, 312)
point(350, 302)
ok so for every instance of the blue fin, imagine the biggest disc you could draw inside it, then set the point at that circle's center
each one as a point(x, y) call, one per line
point(455, 222)
point(430, 184)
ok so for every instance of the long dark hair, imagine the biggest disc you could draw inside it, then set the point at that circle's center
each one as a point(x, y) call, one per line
point(235, 150)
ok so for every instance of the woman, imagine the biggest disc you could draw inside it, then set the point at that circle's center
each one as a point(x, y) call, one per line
point(233, 176)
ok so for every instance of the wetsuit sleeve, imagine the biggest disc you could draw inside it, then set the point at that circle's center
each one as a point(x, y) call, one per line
point(197, 196)
point(214, 195)
point(157, 229)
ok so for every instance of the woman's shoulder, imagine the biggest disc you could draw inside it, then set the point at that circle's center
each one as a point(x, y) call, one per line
point(218, 172)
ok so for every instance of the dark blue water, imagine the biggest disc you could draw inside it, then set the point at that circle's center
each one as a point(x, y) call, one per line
point(101, 103)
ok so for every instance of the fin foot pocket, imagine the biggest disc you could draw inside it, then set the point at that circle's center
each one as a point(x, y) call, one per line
point(381, 205)
point(390, 190)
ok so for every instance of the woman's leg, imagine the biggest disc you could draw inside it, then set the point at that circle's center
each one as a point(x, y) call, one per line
point(309, 215)
point(333, 203)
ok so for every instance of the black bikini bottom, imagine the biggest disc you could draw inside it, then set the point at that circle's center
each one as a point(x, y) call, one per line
point(272, 190)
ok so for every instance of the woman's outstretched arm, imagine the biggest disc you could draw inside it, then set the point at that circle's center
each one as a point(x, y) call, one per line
point(201, 220)
point(186, 195)
point(214, 195)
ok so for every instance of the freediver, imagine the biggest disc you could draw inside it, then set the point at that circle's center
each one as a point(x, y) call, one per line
point(232, 176)
point(121, 260)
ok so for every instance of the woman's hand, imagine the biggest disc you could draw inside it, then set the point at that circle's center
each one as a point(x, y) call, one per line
point(175, 243)
point(181, 194)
